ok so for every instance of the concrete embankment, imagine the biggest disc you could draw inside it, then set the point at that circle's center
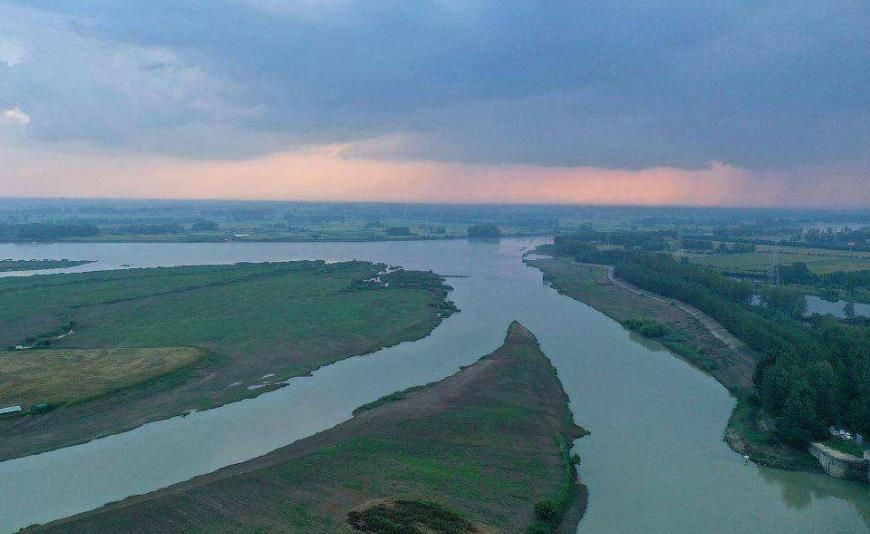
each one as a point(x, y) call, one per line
point(841, 465)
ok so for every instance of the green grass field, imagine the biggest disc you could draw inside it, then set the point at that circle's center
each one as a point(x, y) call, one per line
point(241, 308)
point(477, 450)
point(819, 261)
point(848, 447)
point(259, 323)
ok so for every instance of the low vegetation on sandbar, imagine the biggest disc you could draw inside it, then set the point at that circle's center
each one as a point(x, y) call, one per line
point(153, 343)
point(485, 450)
point(35, 265)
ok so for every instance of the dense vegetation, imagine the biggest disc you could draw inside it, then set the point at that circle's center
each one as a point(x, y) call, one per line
point(205, 226)
point(574, 243)
point(45, 231)
point(815, 373)
point(812, 377)
point(398, 231)
point(408, 517)
point(834, 238)
point(848, 281)
point(484, 230)
point(151, 229)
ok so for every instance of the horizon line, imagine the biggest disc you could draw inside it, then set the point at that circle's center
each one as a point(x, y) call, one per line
point(436, 203)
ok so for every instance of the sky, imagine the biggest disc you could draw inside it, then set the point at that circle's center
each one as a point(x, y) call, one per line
point(758, 103)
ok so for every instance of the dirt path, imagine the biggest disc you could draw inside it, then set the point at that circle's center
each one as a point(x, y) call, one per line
point(744, 355)
point(711, 324)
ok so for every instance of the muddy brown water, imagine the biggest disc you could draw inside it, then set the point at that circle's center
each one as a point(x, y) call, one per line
point(655, 461)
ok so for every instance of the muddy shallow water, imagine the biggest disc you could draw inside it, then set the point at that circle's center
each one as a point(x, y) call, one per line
point(655, 461)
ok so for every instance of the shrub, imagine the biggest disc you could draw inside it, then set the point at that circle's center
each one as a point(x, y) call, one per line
point(407, 517)
point(546, 511)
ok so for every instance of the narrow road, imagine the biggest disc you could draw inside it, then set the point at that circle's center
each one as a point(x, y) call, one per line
point(716, 329)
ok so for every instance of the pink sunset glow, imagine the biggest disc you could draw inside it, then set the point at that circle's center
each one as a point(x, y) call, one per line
point(323, 173)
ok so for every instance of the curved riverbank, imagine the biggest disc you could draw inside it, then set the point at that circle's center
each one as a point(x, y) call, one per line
point(712, 349)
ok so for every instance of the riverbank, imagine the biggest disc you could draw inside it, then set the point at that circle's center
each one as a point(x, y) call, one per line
point(692, 335)
point(712, 350)
point(478, 449)
point(260, 324)
point(271, 237)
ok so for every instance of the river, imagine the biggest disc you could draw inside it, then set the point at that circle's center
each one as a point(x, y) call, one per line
point(655, 461)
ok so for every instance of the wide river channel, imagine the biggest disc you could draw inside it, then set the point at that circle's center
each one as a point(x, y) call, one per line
point(655, 461)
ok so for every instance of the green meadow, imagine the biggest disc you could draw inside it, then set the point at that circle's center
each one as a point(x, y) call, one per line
point(257, 324)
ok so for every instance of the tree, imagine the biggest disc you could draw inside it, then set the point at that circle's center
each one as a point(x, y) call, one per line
point(849, 310)
point(826, 384)
point(484, 230)
point(798, 424)
point(784, 300)
point(398, 230)
point(205, 226)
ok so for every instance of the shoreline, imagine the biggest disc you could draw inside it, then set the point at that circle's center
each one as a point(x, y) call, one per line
point(735, 378)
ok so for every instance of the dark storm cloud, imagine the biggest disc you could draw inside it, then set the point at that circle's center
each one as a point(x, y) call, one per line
point(612, 84)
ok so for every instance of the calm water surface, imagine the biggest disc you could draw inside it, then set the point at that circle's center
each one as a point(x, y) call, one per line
point(655, 461)
point(837, 308)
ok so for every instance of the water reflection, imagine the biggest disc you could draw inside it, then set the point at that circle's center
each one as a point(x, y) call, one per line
point(839, 309)
point(800, 490)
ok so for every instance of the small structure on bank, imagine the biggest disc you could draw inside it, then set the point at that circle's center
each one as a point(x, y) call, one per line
point(841, 465)
point(10, 409)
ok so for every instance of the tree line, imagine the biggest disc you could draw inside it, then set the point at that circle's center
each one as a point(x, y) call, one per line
point(45, 231)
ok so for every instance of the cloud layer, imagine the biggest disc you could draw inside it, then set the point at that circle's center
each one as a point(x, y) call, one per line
point(772, 88)
point(15, 117)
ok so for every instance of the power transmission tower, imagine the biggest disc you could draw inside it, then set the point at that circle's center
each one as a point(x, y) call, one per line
point(679, 244)
point(773, 272)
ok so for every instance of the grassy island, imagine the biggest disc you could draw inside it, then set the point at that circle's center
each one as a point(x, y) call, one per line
point(485, 450)
point(92, 354)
